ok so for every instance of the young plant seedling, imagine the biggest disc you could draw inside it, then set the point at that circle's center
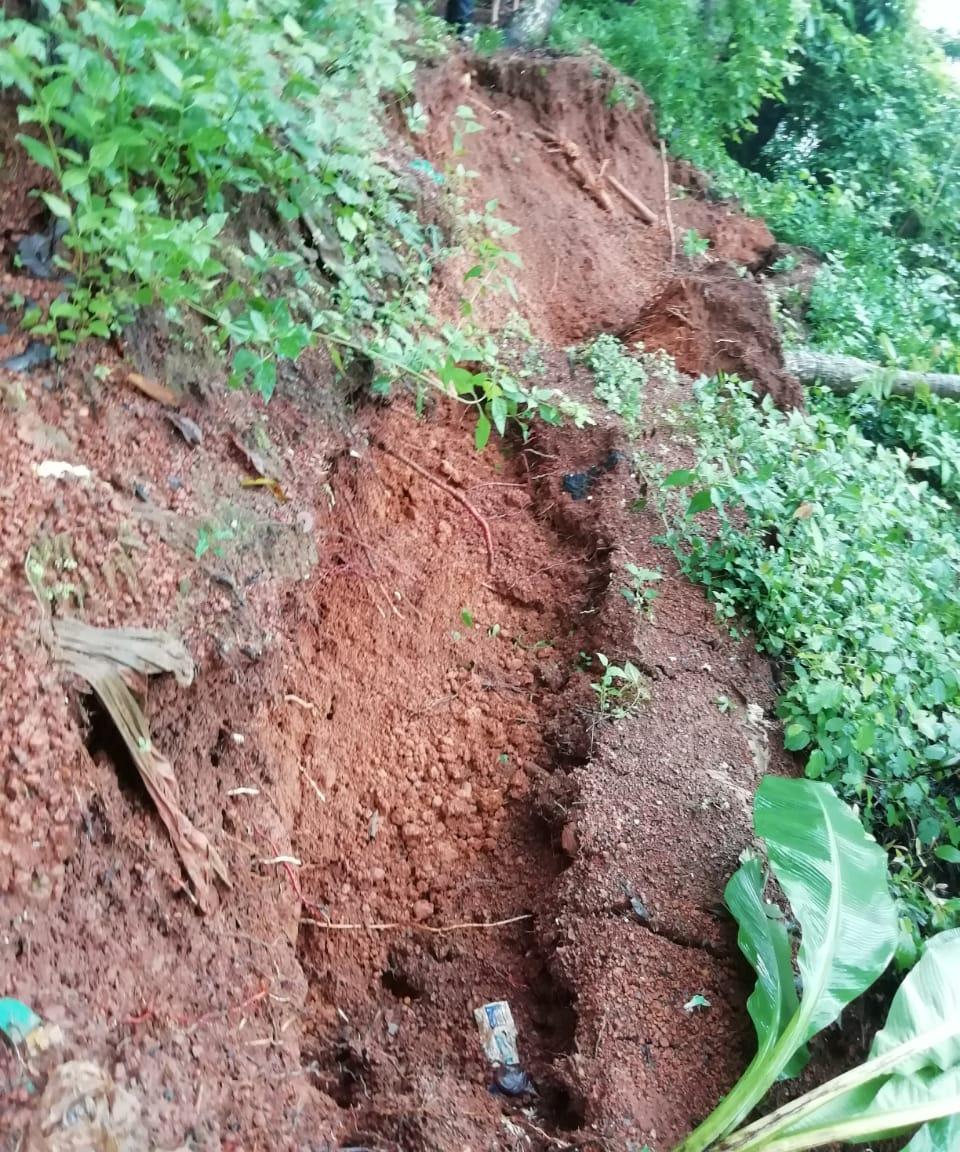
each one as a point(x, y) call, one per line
point(620, 690)
point(641, 592)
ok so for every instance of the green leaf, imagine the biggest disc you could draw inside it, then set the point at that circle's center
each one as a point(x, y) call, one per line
point(937, 1136)
point(498, 413)
point(681, 478)
point(57, 206)
point(796, 736)
point(927, 1004)
point(265, 378)
point(482, 433)
point(948, 853)
point(257, 244)
point(103, 154)
point(882, 643)
point(763, 939)
point(38, 152)
point(700, 502)
point(912, 1074)
point(827, 694)
point(167, 68)
point(835, 878)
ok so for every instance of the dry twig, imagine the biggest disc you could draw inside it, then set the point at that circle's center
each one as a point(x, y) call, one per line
point(571, 153)
point(645, 214)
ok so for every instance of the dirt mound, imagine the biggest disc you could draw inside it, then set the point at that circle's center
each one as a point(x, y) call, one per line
point(715, 321)
point(585, 269)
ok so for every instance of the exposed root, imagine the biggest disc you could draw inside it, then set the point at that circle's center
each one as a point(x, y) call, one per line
point(366, 551)
point(451, 492)
point(414, 926)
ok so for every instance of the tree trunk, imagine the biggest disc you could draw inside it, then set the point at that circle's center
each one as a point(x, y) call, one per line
point(844, 374)
point(532, 23)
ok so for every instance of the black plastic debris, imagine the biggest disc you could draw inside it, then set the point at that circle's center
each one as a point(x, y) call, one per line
point(188, 429)
point(511, 1080)
point(35, 354)
point(36, 252)
point(4, 328)
point(578, 484)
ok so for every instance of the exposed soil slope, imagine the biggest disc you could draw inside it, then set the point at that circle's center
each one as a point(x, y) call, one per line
point(586, 269)
point(394, 746)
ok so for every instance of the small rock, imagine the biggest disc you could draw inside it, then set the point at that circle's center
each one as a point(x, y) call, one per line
point(422, 910)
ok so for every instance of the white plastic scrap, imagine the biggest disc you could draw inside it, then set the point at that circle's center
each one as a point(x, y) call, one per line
point(498, 1033)
point(61, 470)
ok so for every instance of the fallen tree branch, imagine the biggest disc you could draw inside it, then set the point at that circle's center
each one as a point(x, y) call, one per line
point(451, 492)
point(645, 214)
point(844, 374)
point(571, 153)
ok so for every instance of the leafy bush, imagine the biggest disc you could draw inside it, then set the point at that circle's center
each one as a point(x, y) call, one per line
point(619, 379)
point(705, 67)
point(165, 125)
point(834, 877)
point(621, 375)
point(926, 426)
point(848, 567)
point(159, 120)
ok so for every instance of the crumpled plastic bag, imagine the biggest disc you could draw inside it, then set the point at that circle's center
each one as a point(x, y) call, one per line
point(83, 1110)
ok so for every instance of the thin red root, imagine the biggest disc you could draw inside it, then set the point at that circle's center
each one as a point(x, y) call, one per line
point(366, 551)
point(452, 493)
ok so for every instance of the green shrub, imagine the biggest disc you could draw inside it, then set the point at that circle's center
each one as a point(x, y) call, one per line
point(160, 121)
point(225, 161)
point(848, 568)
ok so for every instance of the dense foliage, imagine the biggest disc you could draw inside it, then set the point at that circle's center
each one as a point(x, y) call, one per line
point(158, 120)
point(226, 162)
point(839, 537)
point(850, 573)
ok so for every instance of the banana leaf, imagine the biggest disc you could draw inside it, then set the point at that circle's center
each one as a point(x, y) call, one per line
point(911, 1077)
point(835, 877)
